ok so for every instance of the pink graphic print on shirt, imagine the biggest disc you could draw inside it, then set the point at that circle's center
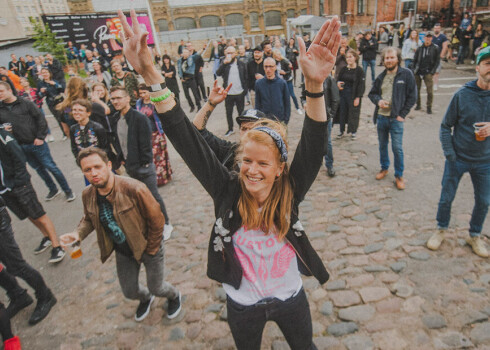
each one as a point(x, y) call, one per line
point(248, 269)
point(282, 259)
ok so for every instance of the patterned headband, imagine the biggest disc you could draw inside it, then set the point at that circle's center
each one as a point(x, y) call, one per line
point(281, 146)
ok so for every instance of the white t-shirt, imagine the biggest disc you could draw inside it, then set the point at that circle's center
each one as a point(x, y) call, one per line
point(234, 78)
point(270, 268)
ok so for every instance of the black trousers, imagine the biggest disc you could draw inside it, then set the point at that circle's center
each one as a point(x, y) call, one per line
point(200, 85)
point(230, 102)
point(190, 83)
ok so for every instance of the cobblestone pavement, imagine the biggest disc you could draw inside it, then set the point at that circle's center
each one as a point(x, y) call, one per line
point(387, 291)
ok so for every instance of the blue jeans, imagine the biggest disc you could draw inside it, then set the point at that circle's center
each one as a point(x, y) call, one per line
point(39, 158)
point(386, 127)
point(480, 177)
point(372, 64)
point(291, 92)
point(462, 53)
point(408, 63)
point(292, 316)
point(329, 154)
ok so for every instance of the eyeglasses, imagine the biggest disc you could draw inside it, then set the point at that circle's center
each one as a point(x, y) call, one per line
point(269, 66)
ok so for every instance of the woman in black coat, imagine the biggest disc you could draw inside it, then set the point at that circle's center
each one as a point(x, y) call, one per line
point(170, 74)
point(351, 83)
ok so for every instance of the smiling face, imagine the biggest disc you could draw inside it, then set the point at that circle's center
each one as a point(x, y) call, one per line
point(260, 166)
point(351, 60)
point(46, 74)
point(80, 114)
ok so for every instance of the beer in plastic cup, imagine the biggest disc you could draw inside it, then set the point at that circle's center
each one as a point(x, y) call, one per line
point(477, 129)
point(71, 243)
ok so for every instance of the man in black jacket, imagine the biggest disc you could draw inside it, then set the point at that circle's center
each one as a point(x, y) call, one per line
point(368, 49)
point(199, 63)
point(394, 93)
point(255, 68)
point(233, 72)
point(21, 199)
point(133, 145)
point(425, 63)
point(30, 129)
point(56, 69)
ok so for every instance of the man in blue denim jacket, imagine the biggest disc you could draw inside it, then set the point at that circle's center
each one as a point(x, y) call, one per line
point(464, 135)
point(394, 93)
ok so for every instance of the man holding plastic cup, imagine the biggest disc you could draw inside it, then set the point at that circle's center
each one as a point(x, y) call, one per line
point(464, 135)
point(127, 219)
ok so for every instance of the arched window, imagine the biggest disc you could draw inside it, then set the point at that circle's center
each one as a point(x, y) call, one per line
point(185, 23)
point(234, 19)
point(254, 19)
point(290, 13)
point(273, 18)
point(162, 25)
point(209, 21)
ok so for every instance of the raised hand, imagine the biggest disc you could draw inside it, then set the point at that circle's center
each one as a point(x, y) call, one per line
point(218, 93)
point(317, 63)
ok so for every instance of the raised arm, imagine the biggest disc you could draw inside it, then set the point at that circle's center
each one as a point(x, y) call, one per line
point(216, 96)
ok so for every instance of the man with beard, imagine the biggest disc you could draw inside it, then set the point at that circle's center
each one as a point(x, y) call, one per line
point(255, 68)
point(233, 72)
point(267, 47)
point(394, 93)
point(127, 219)
point(441, 41)
point(464, 135)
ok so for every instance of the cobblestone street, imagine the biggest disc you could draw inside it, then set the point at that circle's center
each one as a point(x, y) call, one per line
point(386, 290)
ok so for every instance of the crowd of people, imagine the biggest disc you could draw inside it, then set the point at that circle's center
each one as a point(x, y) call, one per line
point(118, 119)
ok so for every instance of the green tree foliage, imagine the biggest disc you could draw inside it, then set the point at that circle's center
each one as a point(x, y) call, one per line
point(45, 40)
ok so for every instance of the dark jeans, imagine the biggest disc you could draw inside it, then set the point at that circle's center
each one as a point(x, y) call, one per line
point(292, 316)
point(462, 53)
point(190, 83)
point(39, 158)
point(429, 84)
point(371, 64)
point(480, 177)
point(230, 102)
point(200, 85)
point(148, 176)
point(11, 257)
point(390, 126)
point(291, 93)
point(345, 101)
point(329, 153)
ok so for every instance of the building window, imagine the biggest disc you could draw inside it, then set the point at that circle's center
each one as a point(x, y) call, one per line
point(162, 25)
point(408, 6)
point(360, 7)
point(234, 19)
point(272, 18)
point(209, 21)
point(254, 19)
point(185, 23)
point(304, 12)
point(290, 13)
point(481, 3)
point(465, 3)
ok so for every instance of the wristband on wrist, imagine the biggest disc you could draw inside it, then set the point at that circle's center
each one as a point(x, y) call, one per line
point(157, 87)
point(161, 97)
point(211, 104)
point(314, 94)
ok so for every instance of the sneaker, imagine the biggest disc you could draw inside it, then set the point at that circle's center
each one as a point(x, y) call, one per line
point(64, 138)
point(478, 246)
point(167, 231)
point(353, 136)
point(70, 197)
point(300, 111)
point(192, 109)
point(52, 194)
point(143, 309)
point(45, 244)
point(399, 183)
point(331, 172)
point(435, 240)
point(18, 303)
point(42, 309)
point(429, 110)
point(381, 175)
point(49, 138)
point(418, 108)
point(229, 132)
point(339, 135)
point(174, 307)
point(57, 254)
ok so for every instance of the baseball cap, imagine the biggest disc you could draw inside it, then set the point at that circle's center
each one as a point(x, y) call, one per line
point(250, 115)
point(258, 48)
point(484, 53)
point(429, 34)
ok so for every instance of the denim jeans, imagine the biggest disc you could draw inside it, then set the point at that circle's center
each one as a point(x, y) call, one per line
point(372, 64)
point(39, 158)
point(11, 257)
point(462, 53)
point(386, 127)
point(128, 270)
point(329, 153)
point(291, 92)
point(408, 63)
point(292, 316)
point(480, 177)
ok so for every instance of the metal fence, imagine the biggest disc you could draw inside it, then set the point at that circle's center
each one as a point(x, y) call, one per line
point(200, 34)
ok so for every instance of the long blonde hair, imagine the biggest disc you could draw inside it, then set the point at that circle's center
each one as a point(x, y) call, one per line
point(75, 89)
point(275, 215)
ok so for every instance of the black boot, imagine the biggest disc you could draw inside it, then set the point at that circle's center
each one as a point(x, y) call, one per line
point(18, 296)
point(429, 110)
point(418, 108)
point(42, 309)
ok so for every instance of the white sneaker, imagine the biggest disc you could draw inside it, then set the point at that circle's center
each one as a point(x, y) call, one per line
point(167, 231)
point(300, 111)
point(64, 138)
point(49, 138)
point(436, 87)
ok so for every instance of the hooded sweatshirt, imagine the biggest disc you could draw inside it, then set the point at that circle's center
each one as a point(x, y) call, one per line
point(469, 105)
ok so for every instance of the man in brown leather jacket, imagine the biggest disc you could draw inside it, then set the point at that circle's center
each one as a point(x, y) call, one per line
point(127, 219)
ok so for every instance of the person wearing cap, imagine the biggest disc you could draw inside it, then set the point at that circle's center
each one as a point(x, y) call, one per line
point(224, 150)
point(465, 139)
point(425, 63)
point(255, 68)
point(367, 48)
